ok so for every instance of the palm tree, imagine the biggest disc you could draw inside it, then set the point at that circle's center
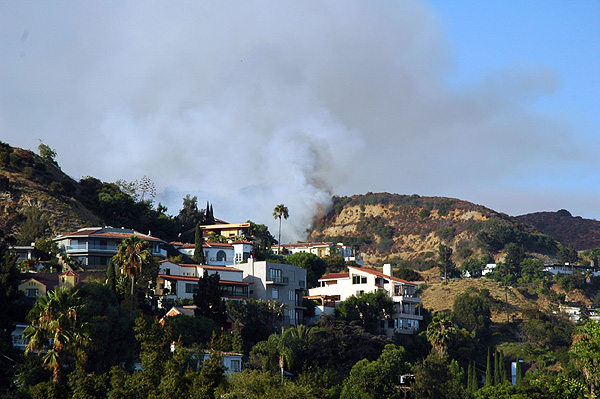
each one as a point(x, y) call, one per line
point(440, 332)
point(279, 212)
point(55, 327)
point(132, 255)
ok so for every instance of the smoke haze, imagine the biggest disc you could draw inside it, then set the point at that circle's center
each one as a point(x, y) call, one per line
point(249, 104)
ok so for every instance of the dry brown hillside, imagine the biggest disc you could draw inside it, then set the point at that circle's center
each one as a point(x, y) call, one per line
point(386, 226)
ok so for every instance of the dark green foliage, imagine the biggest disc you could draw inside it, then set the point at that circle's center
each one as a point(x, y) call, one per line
point(472, 265)
point(258, 317)
point(14, 160)
point(57, 187)
point(497, 235)
point(368, 310)
point(190, 330)
point(444, 207)
point(110, 328)
point(568, 254)
point(424, 213)
point(436, 377)
point(376, 379)
point(472, 312)
point(86, 385)
point(154, 354)
point(335, 263)
point(263, 240)
point(375, 225)
point(208, 299)
point(35, 226)
point(489, 370)
point(407, 274)
point(447, 266)
point(47, 153)
point(355, 242)
point(545, 330)
point(336, 344)
point(315, 266)
point(446, 233)
point(198, 247)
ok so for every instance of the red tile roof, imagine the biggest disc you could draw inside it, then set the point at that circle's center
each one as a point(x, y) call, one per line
point(335, 276)
point(379, 274)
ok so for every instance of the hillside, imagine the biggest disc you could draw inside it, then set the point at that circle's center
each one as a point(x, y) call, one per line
point(566, 228)
point(410, 227)
point(37, 197)
point(38, 200)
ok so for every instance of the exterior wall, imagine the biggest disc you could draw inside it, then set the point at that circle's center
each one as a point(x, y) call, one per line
point(32, 288)
point(407, 305)
point(95, 251)
point(277, 282)
point(235, 253)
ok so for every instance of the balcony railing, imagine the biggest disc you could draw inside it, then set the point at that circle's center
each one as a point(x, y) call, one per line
point(278, 279)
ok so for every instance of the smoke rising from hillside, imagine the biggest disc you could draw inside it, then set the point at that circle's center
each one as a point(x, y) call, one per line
point(250, 104)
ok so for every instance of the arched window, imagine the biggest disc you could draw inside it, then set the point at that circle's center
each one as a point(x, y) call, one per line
point(221, 255)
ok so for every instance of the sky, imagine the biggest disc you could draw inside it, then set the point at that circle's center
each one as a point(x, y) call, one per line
point(250, 104)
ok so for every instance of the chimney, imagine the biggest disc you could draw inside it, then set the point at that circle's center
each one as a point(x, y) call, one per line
point(388, 270)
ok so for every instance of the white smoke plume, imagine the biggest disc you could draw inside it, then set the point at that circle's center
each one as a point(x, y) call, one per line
point(249, 104)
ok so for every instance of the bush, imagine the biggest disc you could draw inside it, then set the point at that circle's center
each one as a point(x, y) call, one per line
point(424, 213)
point(29, 172)
point(14, 160)
point(57, 187)
point(4, 183)
point(4, 158)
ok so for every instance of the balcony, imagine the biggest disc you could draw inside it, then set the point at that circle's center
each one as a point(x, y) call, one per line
point(277, 280)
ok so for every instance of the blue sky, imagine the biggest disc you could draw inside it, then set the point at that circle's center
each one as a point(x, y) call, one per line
point(249, 104)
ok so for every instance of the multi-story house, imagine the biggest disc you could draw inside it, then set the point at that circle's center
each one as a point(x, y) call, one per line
point(220, 254)
point(180, 281)
point(334, 288)
point(93, 247)
point(321, 249)
point(277, 282)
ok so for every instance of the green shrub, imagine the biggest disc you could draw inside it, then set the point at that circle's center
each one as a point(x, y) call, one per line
point(29, 172)
point(424, 213)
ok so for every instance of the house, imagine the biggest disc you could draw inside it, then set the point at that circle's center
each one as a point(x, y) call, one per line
point(219, 254)
point(180, 281)
point(24, 252)
point(227, 230)
point(39, 284)
point(231, 360)
point(190, 311)
point(321, 249)
point(93, 247)
point(334, 288)
point(279, 282)
point(569, 269)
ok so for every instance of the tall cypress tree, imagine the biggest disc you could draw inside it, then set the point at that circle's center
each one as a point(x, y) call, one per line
point(198, 247)
point(489, 379)
point(497, 368)
point(111, 278)
point(474, 386)
point(503, 373)
point(469, 376)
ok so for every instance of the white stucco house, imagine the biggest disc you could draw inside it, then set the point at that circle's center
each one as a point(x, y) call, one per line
point(334, 288)
point(321, 249)
point(220, 254)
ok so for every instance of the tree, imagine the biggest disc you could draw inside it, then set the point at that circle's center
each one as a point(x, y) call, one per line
point(586, 352)
point(489, 370)
point(189, 215)
point(280, 211)
point(441, 332)
point(258, 318)
point(436, 377)
point(315, 266)
point(447, 265)
point(262, 238)
point(132, 256)
point(56, 328)
point(472, 311)
point(199, 247)
point(473, 266)
point(208, 299)
point(368, 310)
point(568, 254)
point(47, 153)
point(379, 378)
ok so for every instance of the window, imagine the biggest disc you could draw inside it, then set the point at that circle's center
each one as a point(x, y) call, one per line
point(274, 293)
point(291, 295)
point(360, 292)
point(168, 272)
point(292, 276)
point(221, 256)
point(359, 280)
point(32, 292)
point(190, 288)
point(275, 275)
point(235, 366)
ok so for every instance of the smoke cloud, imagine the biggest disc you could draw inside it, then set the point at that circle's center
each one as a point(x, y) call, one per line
point(251, 104)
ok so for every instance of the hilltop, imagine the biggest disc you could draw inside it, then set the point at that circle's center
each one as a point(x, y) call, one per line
point(388, 227)
point(568, 229)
